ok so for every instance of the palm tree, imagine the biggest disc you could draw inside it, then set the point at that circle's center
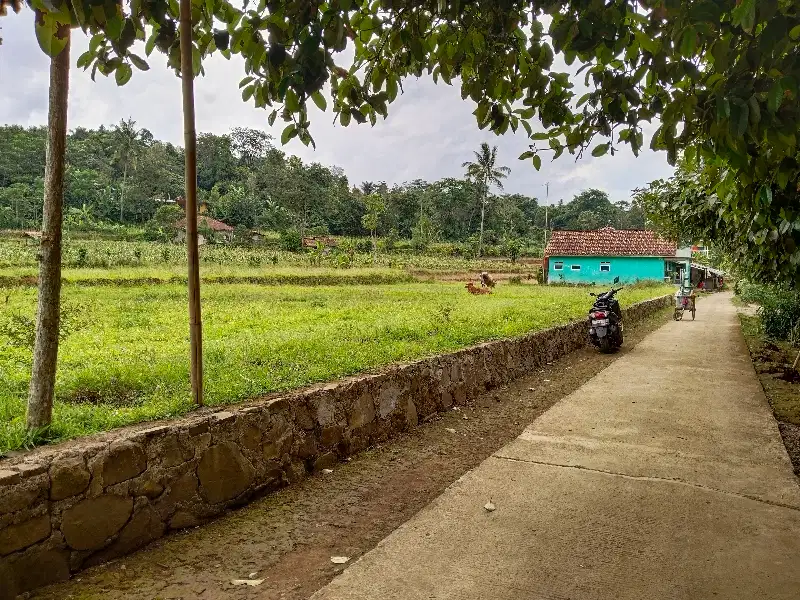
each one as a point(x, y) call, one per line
point(129, 142)
point(485, 173)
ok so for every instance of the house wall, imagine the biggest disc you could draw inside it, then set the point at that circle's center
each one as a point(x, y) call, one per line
point(628, 268)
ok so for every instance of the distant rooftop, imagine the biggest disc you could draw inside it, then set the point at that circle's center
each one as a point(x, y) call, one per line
point(213, 224)
point(609, 242)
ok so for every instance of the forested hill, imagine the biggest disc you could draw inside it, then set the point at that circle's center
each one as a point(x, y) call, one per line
point(120, 174)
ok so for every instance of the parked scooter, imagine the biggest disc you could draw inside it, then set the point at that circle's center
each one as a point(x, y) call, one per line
point(605, 321)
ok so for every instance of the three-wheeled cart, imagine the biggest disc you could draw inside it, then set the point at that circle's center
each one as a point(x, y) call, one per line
point(684, 300)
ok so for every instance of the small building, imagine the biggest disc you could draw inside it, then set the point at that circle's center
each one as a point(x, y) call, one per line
point(598, 256)
point(221, 230)
point(328, 242)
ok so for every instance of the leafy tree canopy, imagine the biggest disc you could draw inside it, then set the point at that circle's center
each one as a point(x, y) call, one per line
point(759, 242)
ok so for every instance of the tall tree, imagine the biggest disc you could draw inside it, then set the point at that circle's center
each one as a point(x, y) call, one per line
point(376, 206)
point(485, 173)
point(45, 353)
point(128, 144)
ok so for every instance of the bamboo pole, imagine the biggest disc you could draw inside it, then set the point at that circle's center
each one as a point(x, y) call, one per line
point(190, 143)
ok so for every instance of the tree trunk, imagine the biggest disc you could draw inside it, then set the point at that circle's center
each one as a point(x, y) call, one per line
point(45, 353)
point(190, 141)
point(480, 238)
point(122, 192)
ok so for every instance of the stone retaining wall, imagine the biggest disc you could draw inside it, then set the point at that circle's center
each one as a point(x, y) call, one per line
point(77, 504)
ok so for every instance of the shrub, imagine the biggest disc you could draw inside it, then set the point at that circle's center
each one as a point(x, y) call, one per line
point(20, 329)
point(391, 239)
point(515, 280)
point(83, 257)
point(780, 312)
point(513, 249)
point(364, 246)
point(291, 241)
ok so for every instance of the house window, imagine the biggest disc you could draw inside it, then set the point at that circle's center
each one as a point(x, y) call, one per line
point(559, 266)
point(576, 267)
point(605, 267)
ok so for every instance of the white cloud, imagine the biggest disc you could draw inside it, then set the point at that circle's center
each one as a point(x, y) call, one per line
point(430, 131)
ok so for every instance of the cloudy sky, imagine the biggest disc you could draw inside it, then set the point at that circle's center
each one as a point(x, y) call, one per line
point(430, 131)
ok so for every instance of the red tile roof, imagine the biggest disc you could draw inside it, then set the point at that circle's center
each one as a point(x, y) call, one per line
point(609, 242)
point(213, 224)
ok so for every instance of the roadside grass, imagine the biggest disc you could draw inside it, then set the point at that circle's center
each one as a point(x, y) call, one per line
point(772, 360)
point(125, 359)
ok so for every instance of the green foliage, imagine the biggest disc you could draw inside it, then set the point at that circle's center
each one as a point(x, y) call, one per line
point(485, 173)
point(291, 241)
point(778, 308)
point(245, 182)
point(19, 328)
point(513, 249)
point(163, 225)
point(757, 241)
point(390, 241)
point(259, 339)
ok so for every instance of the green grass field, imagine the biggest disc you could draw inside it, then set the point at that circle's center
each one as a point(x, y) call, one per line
point(125, 358)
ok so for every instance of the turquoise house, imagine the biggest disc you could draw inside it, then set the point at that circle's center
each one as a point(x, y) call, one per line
point(599, 256)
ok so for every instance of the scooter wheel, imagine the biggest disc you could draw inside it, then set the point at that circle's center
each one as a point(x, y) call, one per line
point(677, 315)
point(693, 313)
point(605, 345)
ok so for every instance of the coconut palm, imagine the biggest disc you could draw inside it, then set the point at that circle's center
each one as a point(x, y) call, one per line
point(484, 172)
point(129, 142)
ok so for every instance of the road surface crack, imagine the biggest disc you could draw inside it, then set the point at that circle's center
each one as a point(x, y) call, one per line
point(651, 478)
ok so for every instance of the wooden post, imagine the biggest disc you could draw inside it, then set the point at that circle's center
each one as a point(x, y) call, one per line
point(190, 142)
point(48, 312)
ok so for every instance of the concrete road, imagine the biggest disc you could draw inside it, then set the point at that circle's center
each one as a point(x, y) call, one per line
point(662, 477)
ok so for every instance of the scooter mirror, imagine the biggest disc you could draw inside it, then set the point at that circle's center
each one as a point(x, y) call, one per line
point(616, 279)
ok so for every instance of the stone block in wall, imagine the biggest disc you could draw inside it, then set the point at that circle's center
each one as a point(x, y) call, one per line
point(446, 400)
point(29, 491)
point(90, 523)
point(387, 401)
point(412, 420)
point(277, 442)
point(180, 491)
point(69, 476)
point(183, 520)
point(224, 473)
point(362, 411)
point(330, 436)
point(124, 460)
point(20, 536)
point(326, 461)
point(305, 446)
point(167, 450)
point(32, 569)
point(302, 417)
point(145, 526)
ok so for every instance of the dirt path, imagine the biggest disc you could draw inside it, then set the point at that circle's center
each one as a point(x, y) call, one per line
point(288, 538)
